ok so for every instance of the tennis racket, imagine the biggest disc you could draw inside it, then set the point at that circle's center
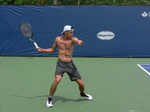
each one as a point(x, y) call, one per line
point(26, 30)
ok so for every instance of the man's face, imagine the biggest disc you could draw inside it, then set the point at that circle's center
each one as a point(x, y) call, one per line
point(69, 33)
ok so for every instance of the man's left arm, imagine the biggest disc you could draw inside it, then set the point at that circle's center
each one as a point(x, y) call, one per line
point(77, 41)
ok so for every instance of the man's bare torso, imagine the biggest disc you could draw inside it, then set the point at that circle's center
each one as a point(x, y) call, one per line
point(65, 48)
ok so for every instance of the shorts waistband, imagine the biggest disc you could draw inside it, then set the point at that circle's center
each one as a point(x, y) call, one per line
point(64, 61)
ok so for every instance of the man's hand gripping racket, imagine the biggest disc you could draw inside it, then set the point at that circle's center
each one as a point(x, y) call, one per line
point(26, 30)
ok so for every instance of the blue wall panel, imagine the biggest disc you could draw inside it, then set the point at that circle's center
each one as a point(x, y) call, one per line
point(130, 26)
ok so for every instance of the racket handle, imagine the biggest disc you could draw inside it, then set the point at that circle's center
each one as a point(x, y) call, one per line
point(35, 44)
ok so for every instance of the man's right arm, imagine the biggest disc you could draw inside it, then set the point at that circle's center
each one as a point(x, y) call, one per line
point(49, 50)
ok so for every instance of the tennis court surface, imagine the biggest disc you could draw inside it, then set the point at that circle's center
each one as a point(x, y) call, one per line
point(117, 85)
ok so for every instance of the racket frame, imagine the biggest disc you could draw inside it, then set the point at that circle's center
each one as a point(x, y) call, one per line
point(30, 35)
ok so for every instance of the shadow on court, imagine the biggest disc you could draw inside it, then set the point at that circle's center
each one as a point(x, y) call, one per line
point(55, 99)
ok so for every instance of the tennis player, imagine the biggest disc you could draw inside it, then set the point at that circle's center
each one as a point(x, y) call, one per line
point(65, 45)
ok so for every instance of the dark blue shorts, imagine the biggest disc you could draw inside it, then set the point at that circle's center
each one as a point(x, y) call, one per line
point(69, 68)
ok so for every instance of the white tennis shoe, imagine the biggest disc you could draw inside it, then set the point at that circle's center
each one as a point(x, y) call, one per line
point(87, 96)
point(49, 104)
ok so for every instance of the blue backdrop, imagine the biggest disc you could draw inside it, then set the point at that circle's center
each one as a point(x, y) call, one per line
point(107, 31)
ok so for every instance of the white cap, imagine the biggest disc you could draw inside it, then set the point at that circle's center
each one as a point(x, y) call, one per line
point(67, 28)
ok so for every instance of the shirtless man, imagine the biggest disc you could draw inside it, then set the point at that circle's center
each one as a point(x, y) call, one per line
point(65, 45)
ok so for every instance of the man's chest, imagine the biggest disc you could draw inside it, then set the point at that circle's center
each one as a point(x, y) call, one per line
point(65, 44)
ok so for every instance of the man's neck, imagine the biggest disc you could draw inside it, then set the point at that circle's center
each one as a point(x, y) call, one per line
point(66, 37)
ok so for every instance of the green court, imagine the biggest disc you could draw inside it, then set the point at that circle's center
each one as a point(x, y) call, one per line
point(116, 84)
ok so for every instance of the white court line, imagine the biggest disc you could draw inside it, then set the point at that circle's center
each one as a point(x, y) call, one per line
point(143, 69)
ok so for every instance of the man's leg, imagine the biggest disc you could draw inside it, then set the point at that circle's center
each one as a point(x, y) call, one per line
point(81, 88)
point(81, 85)
point(53, 89)
point(54, 85)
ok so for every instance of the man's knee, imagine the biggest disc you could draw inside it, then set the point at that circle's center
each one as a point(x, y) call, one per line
point(57, 79)
point(80, 82)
